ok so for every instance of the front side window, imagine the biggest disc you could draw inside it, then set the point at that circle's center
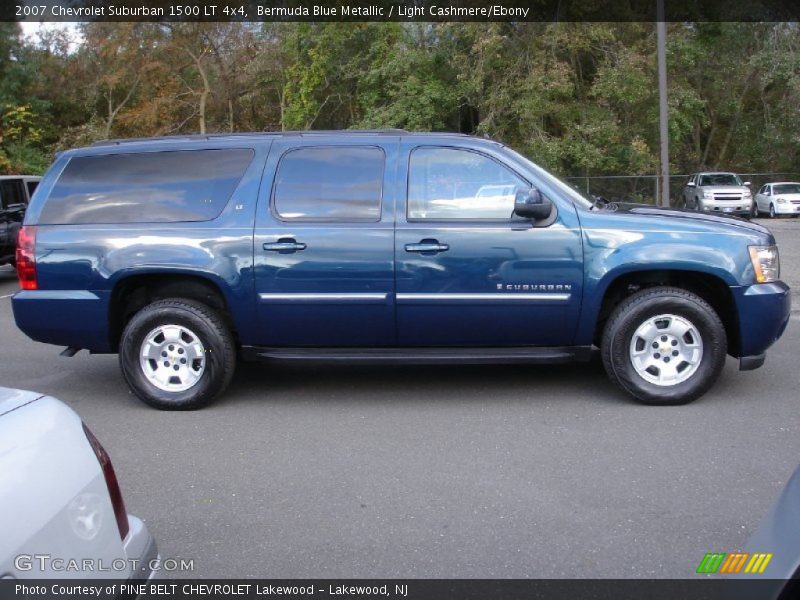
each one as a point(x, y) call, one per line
point(146, 187)
point(331, 183)
point(448, 183)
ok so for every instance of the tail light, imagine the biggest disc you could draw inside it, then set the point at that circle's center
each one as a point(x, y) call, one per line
point(26, 258)
point(111, 483)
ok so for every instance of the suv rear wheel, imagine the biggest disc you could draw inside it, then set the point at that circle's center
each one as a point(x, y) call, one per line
point(664, 346)
point(177, 354)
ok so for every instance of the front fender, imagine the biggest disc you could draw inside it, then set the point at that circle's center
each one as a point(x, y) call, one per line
point(610, 254)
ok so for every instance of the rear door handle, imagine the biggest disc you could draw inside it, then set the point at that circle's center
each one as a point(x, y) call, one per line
point(428, 246)
point(284, 246)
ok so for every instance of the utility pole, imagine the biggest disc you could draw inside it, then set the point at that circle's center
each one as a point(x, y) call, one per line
point(663, 114)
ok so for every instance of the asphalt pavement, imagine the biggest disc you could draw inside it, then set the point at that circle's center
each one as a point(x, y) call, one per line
point(428, 472)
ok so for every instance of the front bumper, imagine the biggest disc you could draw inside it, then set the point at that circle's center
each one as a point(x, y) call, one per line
point(743, 207)
point(787, 208)
point(763, 310)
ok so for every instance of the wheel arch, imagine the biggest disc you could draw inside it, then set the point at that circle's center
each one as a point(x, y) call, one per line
point(710, 287)
point(133, 292)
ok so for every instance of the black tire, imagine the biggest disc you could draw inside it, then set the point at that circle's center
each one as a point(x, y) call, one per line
point(648, 303)
point(772, 214)
point(210, 329)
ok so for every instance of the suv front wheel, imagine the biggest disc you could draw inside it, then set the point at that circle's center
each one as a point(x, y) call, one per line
point(664, 345)
point(177, 354)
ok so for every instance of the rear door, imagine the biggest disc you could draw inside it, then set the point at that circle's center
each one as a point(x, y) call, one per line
point(469, 273)
point(323, 242)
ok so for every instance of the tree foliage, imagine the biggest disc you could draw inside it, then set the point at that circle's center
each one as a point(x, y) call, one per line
point(579, 98)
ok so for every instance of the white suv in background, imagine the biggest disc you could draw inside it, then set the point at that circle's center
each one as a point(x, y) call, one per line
point(61, 511)
point(718, 192)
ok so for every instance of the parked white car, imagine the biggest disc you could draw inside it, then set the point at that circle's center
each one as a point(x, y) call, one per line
point(781, 198)
point(61, 511)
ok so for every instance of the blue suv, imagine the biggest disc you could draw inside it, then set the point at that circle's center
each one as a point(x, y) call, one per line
point(186, 254)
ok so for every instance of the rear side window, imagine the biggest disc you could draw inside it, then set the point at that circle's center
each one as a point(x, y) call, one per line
point(149, 187)
point(32, 185)
point(334, 183)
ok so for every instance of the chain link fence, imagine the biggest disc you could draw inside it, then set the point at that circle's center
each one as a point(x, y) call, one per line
point(645, 188)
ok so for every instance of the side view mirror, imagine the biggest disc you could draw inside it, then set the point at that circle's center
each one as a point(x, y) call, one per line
point(747, 183)
point(691, 184)
point(530, 204)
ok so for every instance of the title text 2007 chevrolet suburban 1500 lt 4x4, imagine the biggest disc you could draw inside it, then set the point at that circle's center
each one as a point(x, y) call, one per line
point(183, 254)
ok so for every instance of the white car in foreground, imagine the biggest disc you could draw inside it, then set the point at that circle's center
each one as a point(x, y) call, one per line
point(782, 198)
point(61, 511)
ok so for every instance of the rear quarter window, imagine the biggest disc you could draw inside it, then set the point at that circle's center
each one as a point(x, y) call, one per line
point(147, 187)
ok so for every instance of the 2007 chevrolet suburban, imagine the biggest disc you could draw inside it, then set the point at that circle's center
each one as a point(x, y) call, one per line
point(183, 254)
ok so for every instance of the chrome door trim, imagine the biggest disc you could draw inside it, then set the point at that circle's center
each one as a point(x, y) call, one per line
point(326, 298)
point(509, 297)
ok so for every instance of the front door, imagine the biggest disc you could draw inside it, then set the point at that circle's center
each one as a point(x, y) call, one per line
point(469, 273)
point(323, 243)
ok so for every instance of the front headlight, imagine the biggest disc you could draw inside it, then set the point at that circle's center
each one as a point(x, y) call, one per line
point(708, 195)
point(766, 263)
point(781, 200)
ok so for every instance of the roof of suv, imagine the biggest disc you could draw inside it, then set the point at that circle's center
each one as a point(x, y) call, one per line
point(269, 134)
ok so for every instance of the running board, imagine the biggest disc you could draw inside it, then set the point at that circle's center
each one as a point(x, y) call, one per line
point(440, 356)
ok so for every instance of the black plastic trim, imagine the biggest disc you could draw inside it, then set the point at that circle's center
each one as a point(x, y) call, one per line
point(528, 354)
point(750, 363)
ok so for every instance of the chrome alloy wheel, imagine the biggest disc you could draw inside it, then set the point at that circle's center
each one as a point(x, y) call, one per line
point(172, 358)
point(666, 350)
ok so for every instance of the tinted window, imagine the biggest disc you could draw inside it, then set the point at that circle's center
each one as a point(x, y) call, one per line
point(445, 183)
point(32, 185)
point(151, 187)
point(336, 183)
point(11, 192)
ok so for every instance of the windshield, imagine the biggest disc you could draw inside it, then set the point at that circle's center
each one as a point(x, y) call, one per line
point(786, 188)
point(720, 179)
point(562, 185)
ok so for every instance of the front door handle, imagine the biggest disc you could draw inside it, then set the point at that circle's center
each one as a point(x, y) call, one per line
point(428, 247)
point(284, 246)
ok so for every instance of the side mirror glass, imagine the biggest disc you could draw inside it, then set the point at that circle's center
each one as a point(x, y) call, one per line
point(531, 204)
